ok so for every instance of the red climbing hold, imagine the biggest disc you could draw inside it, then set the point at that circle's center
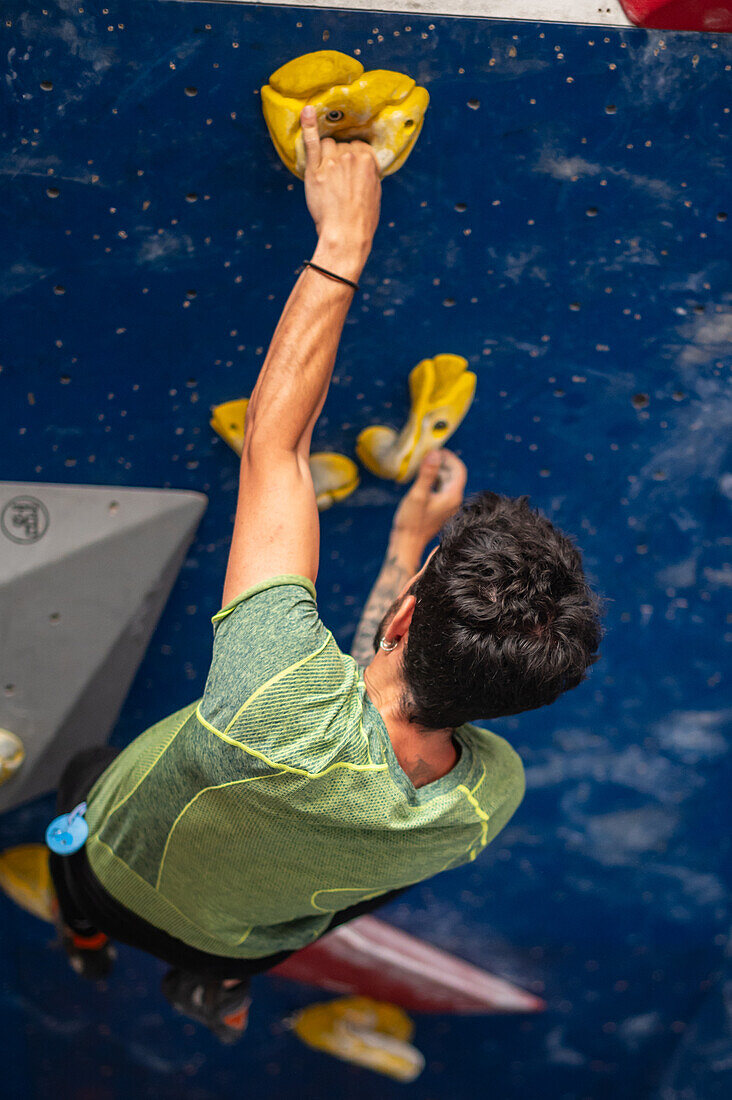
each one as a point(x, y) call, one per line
point(712, 16)
point(371, 958)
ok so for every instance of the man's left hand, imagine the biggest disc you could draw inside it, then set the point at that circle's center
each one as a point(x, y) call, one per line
point(434, 497)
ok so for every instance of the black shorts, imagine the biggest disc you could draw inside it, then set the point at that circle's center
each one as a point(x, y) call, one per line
point(85, 904)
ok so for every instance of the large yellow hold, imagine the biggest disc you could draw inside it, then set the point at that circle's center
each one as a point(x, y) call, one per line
point(367, 1033)
point(334, 475)
point(25, 877)
point(12, 755)
point(441, 392)
point(384, 108)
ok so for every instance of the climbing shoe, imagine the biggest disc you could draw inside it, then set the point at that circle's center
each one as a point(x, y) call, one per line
point(91, 953)
point(224, 1011)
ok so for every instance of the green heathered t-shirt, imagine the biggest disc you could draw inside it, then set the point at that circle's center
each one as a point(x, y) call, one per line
point(243, 822)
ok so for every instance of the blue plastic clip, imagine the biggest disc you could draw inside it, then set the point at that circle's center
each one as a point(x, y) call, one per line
point(68, 832)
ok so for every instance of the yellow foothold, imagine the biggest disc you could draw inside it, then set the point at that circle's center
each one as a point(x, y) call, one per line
point(25, 877)
point(381, 107)
point(366, 1033)
point(334, 475)
point(12, 755)
point(227, 420)
point(441, 391)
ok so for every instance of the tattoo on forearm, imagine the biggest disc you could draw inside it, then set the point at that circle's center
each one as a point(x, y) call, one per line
point(394, 573)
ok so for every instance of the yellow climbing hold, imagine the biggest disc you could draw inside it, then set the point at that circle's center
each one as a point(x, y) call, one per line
point(334, 476)
point(384, 108)
point(227, 420)
point(364, 1032)
point(12, 755)
point(441, 391)
point(25, 877)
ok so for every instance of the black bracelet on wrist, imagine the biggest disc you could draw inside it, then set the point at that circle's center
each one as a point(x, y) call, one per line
point(330, 274)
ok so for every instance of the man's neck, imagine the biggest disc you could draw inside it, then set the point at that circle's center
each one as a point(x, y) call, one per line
point(424, 754)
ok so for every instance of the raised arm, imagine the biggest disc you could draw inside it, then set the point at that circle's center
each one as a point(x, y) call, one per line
point(276, 528)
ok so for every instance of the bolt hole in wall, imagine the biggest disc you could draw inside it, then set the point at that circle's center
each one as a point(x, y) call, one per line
point(135, 121)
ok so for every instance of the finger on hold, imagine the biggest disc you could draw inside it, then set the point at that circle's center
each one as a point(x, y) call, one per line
point(450, 461)
point(431, 462)
point(310, 136)
point(428, 470)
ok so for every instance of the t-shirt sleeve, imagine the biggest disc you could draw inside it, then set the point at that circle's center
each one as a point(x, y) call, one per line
point(262, 634)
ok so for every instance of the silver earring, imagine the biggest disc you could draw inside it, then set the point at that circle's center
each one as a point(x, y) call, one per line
point(388, 646)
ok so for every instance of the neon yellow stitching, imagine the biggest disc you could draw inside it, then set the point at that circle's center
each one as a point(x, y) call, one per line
point(274, 679)
point(145, 775)
point(349, 890)
point(362, 731)
point(287, 767)
point(475, 788)
point(277, 581)
point(483, 816)
point(214, 787)
point(167, 900)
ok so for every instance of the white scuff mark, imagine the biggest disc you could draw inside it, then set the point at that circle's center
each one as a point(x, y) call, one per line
point(635, 1030)
point(536, 351)
point(696, 447)
point(704, 889)
point(559, 167)
point(572, 740)
point(707, 336)
point(617, 839)
point(18, 164)
point(560, 1054)
point(62, 1024)
point(725, 486)
point(80, 39)
point(631, 767)
point(11, 74)
point(19, 277)
point(142, 1054)
point(565, 168)
point(681, 574)
point(154, 77)
point(684, 520)
point(694, 735)
point(657, 76)
point(162, 246)
point(515, 265)
point(634, 253)
point(719, 578)
point(85, 46)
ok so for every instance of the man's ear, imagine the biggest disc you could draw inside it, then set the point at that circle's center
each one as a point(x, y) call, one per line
point(399, 625)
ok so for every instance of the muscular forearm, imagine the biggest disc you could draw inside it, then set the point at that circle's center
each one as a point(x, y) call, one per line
point(294, 379)
point(402, 561)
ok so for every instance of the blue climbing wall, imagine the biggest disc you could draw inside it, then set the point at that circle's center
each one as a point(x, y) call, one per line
point(563, 224)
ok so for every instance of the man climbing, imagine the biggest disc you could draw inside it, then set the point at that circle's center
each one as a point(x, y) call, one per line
point(302, 789)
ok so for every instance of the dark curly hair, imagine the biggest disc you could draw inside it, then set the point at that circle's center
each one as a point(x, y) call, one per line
point(504, 621)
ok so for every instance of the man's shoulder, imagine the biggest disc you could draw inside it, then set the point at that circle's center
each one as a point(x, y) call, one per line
point(503, 765)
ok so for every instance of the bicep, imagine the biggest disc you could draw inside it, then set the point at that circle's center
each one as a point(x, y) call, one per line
point(276, 529)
